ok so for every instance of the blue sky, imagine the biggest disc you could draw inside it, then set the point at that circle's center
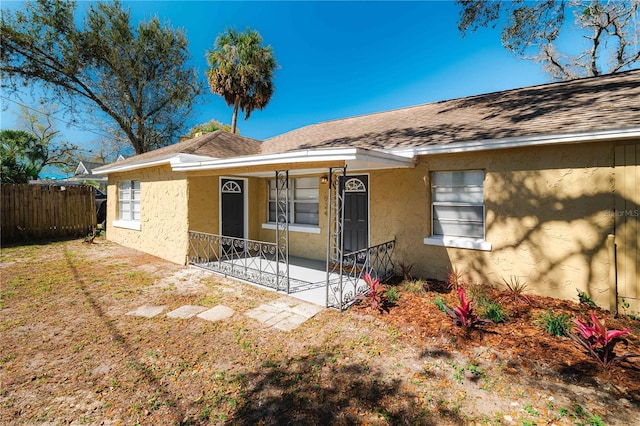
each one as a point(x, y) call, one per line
point(339, 59)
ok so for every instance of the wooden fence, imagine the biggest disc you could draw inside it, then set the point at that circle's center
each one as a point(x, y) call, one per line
point(34, 212)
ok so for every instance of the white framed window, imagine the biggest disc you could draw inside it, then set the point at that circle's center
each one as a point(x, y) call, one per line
point(129, 201)
point(303, 201)
point(457, 209)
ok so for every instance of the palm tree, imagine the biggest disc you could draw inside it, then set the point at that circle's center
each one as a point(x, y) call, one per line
point(241, 71)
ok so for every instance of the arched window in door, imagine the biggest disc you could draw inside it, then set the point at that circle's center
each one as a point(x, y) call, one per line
point(355, 185)
point(231, 187)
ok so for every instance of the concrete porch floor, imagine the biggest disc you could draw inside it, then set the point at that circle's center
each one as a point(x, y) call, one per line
point(307, 277)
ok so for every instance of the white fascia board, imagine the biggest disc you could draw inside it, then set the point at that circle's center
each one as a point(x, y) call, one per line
point(190, 158)
point(165, 159)
point(304, 156)
point(379, 159)
point(557, 139)
point(116, 168)
point(80, 168)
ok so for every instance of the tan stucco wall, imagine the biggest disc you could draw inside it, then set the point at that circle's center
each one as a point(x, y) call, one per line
point(163, 213)
point(547, 216)
point(204, 204)
point(204, 207)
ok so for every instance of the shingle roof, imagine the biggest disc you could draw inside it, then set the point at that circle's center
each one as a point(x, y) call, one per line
point(592, 104)
point(217, 144)
point(90, 165)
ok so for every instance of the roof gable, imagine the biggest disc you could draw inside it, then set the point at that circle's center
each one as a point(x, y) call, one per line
point(217, 144)
point(85, 167)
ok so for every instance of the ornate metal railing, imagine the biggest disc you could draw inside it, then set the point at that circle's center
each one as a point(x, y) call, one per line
point(343, 287)
point(255, 261)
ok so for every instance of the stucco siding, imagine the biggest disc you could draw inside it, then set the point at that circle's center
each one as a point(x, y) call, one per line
point(163, 213)
point(256, 206)
point(204, 210)
point(547, 218)
point(547, 210)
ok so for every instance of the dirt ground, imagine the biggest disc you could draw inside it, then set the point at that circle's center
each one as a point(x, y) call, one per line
point(70, 355)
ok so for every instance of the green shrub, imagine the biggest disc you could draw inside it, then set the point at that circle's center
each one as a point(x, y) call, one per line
point(392, 294)
point(585, 299)
point(439, 302)
point(554, 324)
point(414, 286)
point(495, 312)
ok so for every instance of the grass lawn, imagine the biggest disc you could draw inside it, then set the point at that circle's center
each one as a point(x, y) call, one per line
point(70, 354)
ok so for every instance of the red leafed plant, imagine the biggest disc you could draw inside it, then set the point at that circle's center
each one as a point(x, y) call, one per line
point(455, 278)
point(599, 341)
point(375, 294)
point(463, 314)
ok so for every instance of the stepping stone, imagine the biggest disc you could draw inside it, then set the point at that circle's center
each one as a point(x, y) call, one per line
point(296, 306)
point(263, 313)
point(147, 311)
point(216, 313)
point(306, 309)
point(284, 314)
point(186, 311)
point(289, 322)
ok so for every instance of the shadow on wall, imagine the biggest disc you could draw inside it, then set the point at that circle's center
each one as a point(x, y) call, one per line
point(550, 227)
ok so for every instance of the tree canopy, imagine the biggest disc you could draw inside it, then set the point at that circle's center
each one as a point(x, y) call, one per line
point(136, 76)
point(53, 151)
point(20, 156)
point(208, 127)
point(26, 151)
point(532, 30)
point(242, 71)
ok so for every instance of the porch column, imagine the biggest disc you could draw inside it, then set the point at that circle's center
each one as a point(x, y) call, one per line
point(282, 230)
point(335, 239)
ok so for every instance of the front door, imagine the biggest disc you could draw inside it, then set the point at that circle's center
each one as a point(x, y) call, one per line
point(356, 213)
point(232, 197)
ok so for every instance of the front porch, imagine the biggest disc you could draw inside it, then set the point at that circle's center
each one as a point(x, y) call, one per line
point(325, 283)
point(289, 211)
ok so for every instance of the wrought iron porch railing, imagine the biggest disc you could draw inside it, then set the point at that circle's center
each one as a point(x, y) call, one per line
point(255, 261)
point(346, 278)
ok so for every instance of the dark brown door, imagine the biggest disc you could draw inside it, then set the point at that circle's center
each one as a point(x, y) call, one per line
point(356, 213)
point(232, 195)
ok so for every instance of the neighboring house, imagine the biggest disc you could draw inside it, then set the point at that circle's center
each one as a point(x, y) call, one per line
point(539, 183)
point(84, 173)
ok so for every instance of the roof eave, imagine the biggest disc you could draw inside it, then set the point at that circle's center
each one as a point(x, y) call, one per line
point(355, 156)
point(166, 159)
point(118, 168)
point(524, 141)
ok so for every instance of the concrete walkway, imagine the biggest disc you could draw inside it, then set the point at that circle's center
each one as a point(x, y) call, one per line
point(285, 313)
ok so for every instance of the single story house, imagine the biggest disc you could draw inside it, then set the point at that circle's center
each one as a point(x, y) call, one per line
point(540, 184)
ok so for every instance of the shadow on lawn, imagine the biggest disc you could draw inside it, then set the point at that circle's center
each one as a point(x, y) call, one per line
point(313, 390)
point(120, 341)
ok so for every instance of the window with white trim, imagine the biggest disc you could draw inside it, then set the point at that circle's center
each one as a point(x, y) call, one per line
point(303, 201)
point(129, 201)
point(457, 204)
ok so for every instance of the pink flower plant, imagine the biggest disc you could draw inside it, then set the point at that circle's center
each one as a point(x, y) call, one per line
point(597, 334)
point(374, 295)
point(463, 314)
point(599, 341)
